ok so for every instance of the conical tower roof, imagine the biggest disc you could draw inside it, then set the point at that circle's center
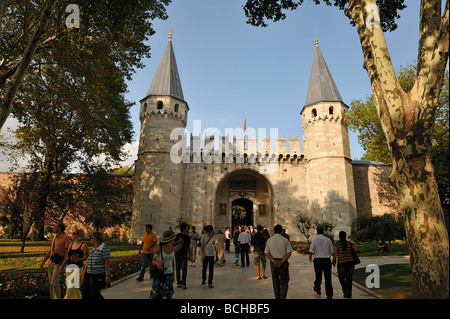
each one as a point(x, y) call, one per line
point(166, 81)
point(321, 84)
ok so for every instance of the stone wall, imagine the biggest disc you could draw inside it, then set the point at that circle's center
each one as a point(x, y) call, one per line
point(374, 194)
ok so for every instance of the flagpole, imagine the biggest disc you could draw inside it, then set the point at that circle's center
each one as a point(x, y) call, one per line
point(245, 135)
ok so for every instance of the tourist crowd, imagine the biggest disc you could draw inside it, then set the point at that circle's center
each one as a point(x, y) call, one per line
point(88, 272)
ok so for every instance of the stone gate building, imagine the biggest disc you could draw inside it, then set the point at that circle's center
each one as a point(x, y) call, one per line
point(263, 182)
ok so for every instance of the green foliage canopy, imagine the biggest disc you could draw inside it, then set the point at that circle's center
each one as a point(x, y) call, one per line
point(258, 11)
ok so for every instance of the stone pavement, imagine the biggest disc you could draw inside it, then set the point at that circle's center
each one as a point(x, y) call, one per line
point(232, 282)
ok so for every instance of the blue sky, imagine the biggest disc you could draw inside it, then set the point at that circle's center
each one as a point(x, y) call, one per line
point(231, 71)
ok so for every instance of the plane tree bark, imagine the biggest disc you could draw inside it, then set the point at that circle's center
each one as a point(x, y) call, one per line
point(407, 120)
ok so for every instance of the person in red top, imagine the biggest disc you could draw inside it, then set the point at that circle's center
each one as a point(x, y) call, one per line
point(60, 246)
point(148, 244)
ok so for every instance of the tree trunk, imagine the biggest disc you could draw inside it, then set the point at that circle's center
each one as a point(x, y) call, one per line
point(425, 227)
point(24, 238)
point(407, 120)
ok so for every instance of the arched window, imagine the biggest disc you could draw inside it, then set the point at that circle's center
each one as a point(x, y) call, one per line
point(159, 105)
point(314, 112)
point(330, 110)
point(145, 107)
point(176, 108)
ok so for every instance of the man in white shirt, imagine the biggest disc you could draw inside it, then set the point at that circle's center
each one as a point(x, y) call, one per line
point(244, 240)
point(322, 248)
point(227, 239)
point(278, 250)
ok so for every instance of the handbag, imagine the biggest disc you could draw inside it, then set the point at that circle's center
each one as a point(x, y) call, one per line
point(177, 247)
point(155, 271)
point(356, 259)
point(56, 258)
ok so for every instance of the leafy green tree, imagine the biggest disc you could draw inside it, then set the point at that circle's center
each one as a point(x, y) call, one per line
point(304, 224)
point(71, 106)
point(67, 118)
point(18, 206)
point(376, 228)
point(104, 200)
point(112, 31)
point(407, 119)
point(362, 118)
point(327, 228)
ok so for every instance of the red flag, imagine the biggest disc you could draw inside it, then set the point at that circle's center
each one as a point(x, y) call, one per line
point(245, 125)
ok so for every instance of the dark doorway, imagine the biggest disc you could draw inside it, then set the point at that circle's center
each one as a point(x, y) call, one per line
point(242, 212)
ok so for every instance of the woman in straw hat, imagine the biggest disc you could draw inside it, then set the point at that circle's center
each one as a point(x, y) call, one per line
point(163, 258)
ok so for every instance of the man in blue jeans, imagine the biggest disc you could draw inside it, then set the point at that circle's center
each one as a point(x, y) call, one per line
point(147, 248)
point(181, 255)
point(208, 251)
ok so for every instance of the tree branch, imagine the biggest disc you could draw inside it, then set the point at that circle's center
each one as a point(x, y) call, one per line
point(8, 98)
point(356, 11)
point(12, 67)
point(434, 55)
point(430, 18)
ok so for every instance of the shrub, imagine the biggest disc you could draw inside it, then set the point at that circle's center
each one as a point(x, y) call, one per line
point(124, 266)
point(22, 284)
point(300, 247)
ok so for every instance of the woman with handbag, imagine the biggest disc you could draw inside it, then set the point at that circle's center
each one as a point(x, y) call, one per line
point(163, 259)
point(96, 274)
point(344, 249)
point(74, 259)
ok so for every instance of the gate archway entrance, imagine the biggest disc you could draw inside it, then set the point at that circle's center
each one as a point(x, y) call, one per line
point(243, 197)
point(241, 212)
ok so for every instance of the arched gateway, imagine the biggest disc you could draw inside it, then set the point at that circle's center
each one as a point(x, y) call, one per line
point(243, 197)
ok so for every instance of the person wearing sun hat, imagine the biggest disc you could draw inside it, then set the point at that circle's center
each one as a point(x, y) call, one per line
point(163, 258)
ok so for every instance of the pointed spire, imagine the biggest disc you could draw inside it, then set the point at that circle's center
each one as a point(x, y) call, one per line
point(321, 84)
point(166, 81)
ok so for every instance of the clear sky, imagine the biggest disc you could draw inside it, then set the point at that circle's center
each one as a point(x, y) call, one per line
point(231, 71)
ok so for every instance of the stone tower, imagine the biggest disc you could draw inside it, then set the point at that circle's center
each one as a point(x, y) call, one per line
point(331, 192)
point(157, 178)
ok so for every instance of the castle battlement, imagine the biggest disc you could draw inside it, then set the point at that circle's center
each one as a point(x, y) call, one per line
point(162, 113)
point(236, 150)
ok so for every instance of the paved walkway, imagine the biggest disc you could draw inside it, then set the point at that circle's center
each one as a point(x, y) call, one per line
point(231, 282)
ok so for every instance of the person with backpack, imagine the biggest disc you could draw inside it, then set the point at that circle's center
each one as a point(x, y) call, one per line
point(164, 260)
point(195, 239)
point(208, 251)
point(259, 240)
point(182, 242)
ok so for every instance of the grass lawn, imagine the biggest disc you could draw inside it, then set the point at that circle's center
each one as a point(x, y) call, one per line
point(22, 278)
point(396, 248)
point(30, 259)
point(395, 280)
